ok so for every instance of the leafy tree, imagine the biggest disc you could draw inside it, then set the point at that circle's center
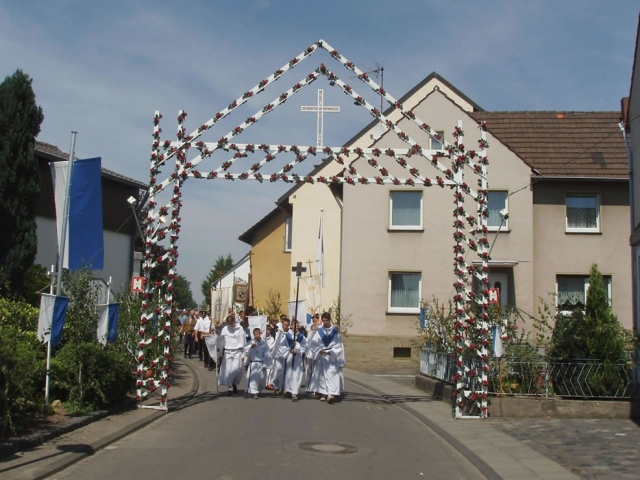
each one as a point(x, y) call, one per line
point(20, 120)
point(222, 266)
point(273, 307)
point(182, 296)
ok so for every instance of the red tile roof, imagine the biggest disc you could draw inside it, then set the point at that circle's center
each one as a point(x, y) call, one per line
point(565, 144)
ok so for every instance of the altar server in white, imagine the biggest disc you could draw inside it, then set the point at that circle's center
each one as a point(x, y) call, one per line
point(327, 349)
point(311, 380)
point(231, 367)
point(270, 339)
point(258, 358)
point(293, 348)
point(280, 352)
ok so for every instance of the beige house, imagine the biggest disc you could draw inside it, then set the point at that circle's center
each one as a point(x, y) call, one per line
point(558, 203)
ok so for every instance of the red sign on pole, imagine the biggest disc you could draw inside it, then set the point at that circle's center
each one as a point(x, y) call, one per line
point(137, 284)
point(494, 295)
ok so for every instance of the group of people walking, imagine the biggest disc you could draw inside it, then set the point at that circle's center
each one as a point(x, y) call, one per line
point(277, 360)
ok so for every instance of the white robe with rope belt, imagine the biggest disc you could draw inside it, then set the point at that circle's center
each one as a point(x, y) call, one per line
point(231, 366)
point(329, 364)
point(257, 357)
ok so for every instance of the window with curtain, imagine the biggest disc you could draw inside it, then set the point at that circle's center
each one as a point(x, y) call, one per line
point(288, 234)
point(572, 291)
point(497, 200)
point(437, 144)
point(583, 213)
point(406, 210)
point(404, 292)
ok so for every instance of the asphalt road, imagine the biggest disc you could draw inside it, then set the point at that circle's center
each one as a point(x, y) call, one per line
point(218, 437)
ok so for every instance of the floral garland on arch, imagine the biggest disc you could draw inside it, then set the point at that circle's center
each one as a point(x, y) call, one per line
point(470, 231)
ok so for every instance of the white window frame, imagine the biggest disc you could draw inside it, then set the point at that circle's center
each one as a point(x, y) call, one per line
point(608, 281)
point(412, 310)
point(505, 225)
point(432, 140)
point(406, 227)
point(568, 229)
point(288, 234)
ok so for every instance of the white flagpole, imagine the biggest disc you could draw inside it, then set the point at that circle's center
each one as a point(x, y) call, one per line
point(63, 241)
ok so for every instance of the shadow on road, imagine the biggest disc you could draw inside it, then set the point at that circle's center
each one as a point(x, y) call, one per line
point(386, 399)
point(61, 449)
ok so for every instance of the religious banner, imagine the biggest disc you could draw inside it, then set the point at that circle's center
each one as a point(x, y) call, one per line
point(312, 291)
point(258, 321)
point(240, 291)
point(211, 341)
point(302, 311)
point(220, 304)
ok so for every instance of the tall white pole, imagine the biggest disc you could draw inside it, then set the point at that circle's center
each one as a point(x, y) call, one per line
point(63, 241)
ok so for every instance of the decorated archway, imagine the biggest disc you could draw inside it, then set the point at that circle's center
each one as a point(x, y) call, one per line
point(182, 157)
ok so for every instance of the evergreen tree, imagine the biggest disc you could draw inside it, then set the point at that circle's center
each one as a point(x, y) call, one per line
point(606, 339)
point(222, 266)
point(20, 120)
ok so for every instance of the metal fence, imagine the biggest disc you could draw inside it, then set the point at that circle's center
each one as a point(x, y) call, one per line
point(509, 376)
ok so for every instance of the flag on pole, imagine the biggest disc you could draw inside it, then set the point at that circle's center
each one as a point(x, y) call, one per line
point(84, 243)
point(108, 322)
point(53, 312)
point(320, 254)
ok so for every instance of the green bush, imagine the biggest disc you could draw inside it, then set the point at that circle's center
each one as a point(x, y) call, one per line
point(103, 378)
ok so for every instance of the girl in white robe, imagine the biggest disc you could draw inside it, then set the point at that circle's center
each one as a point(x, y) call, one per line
point(327, 349)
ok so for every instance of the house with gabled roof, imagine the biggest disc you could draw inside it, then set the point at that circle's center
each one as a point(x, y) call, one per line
point(120, 228)
point(558, 202)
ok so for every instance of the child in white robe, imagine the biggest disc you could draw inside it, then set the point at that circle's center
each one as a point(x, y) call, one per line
point(258, 357)
point(293, 361)
point(327, 349)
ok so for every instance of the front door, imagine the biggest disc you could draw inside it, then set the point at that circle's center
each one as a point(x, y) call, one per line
point(500, 280)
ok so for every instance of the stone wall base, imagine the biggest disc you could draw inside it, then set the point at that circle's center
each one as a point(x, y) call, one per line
point(369, 353)
point(537, 407)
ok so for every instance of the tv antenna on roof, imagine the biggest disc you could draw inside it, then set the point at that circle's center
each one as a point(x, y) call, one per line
point(379, 73)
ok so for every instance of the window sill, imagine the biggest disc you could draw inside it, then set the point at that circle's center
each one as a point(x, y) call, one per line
point(583, 232)
point(405, 313)
point(495, 230)
point(405, 229)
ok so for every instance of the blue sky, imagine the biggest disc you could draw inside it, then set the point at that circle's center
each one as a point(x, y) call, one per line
point(104, 68)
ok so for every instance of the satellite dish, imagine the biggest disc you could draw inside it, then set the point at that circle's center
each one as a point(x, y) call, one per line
point(377, 131)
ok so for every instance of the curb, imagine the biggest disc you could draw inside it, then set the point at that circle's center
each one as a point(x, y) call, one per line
point(471, 457)
point(38, 439)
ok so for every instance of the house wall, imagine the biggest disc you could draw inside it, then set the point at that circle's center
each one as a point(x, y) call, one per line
point(634, 117)
point(371, 251)
point(269, 262)
point(118, 223)
point(557, 252)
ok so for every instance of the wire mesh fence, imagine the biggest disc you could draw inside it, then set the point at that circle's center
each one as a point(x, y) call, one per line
point(543, 377)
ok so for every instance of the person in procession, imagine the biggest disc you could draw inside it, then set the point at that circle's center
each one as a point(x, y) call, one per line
point(292, 347)
point(205, 329)
point(220, 339)
point(231, 365)
point(187, 331)
point(270, 339)
point(258, 357)
point(311, 379)
point(327, 349)
point(280, 352)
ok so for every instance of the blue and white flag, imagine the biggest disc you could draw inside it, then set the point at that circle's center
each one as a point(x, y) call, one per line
point(108, 322)
point(84, 244)
point(53, 312)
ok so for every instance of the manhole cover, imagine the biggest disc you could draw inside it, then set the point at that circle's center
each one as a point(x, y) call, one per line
point(333, 448)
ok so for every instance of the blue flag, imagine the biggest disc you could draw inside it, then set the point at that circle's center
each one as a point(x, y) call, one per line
point(108, 322)
point(53, 312)
point(84, 241)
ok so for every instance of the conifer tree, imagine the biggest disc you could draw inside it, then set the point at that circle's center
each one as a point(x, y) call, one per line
point(20, 120)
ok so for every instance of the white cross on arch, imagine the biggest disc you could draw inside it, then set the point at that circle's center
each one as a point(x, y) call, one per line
point(320, 108)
